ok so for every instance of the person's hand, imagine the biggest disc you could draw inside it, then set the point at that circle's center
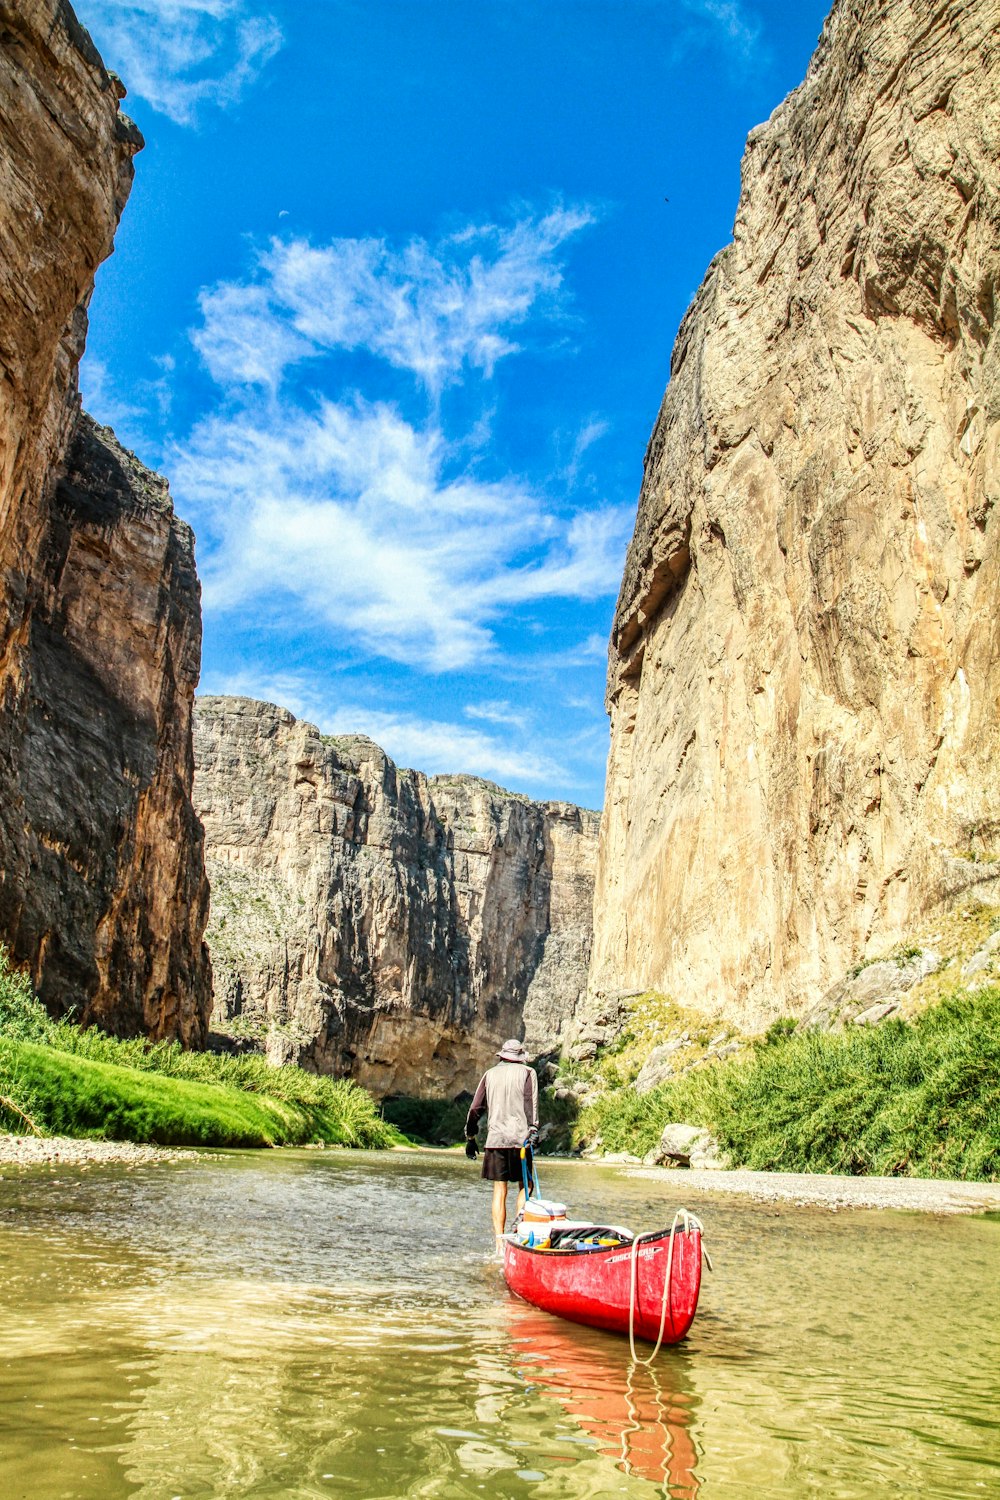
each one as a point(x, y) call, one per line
point(471, 1149)
point(531, 1139)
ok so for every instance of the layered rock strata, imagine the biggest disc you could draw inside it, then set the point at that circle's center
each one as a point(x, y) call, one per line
point(102, 888)
point(804, 672)
point(372, 921)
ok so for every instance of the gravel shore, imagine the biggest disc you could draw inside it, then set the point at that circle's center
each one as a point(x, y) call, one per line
point(922, 1194)
point(35, 1151)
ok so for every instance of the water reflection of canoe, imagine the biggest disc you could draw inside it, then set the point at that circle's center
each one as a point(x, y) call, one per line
point(640, 1418)
point(593, 1286)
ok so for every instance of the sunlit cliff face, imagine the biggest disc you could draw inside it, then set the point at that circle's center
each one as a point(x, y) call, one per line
point(803, 675)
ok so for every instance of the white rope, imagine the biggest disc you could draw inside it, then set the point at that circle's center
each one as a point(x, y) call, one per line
point(689, 1221)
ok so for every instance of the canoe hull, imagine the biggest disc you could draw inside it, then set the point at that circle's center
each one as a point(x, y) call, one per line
point(592, 1286)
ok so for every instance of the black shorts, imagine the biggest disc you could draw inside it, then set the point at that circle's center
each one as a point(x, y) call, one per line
point(503, 1164)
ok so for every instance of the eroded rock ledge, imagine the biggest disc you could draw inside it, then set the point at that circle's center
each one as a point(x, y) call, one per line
point(373, 921)
point(804, 673)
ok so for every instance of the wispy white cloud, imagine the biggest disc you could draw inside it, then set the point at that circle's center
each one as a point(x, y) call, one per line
point(590, 652)
point(429, 309)
point(438, 747)
point(727, 22)
point(361, 519)
point(583, 561)
point(133, 417)
point(244, 340)
point(101, 398)
point(497, 711)
point(590, 433)
point(435, 746)
point(593, 648)
point(384, 526)
point(181, 54)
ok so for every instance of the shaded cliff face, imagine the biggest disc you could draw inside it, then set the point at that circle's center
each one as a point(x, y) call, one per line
point(102, 891)
point(804, 671)
point(377, 922)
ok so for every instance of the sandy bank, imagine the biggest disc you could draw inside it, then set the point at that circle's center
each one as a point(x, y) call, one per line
point(33, 1151)
point(926, 1195)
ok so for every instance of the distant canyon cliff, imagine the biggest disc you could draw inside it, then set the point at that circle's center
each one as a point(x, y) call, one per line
point(377, 922)
point(804, 676)
point(102, 886)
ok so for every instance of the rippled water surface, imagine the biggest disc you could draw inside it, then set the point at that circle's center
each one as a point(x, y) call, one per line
point(317, 1324)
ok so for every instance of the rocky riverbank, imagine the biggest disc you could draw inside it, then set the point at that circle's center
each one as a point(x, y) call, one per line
point(65, 1151)
point(915, 1194)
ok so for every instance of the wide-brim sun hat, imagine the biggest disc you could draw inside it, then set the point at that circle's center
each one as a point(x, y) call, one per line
point(512, 1051)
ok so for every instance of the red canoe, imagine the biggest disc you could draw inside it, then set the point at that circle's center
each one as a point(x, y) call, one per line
point(593, 1286)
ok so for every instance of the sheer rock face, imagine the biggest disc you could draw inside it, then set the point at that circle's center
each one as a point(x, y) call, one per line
point(377, 922)
point(804, 671)
point(102, 888)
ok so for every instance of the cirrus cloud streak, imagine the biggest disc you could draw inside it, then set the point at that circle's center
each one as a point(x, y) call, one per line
point(180, 55)
point(430, 309)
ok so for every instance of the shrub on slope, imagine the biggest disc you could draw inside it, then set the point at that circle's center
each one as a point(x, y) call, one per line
point(919, 1098)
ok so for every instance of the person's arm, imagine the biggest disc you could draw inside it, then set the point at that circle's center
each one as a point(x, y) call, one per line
point(476, 1111)
point(531, 1099)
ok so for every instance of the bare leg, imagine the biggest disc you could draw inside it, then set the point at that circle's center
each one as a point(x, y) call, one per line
point(499, 1211)
point(520, 1199)
point(499, 1214)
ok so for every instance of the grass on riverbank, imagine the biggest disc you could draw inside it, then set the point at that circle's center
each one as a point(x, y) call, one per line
point(914, 1098)
point(77, 1082)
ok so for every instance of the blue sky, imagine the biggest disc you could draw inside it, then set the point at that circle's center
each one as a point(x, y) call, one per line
point(392, 307)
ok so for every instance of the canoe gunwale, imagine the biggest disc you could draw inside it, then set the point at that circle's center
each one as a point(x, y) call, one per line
point(593, 1250)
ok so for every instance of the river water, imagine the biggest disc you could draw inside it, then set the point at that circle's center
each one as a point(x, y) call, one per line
point(317, 1324)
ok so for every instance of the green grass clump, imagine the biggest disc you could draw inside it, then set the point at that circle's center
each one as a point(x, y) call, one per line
point(900, 956)
point(22, 1015)
point(918, 1098)
point(60, 1079)
point(75, 1096)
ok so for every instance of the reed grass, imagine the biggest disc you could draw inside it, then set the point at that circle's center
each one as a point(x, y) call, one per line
point(63, 1079)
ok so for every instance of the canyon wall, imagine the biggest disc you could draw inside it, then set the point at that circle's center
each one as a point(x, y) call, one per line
point(804, 671)
point(102, 887)
point(372, 921)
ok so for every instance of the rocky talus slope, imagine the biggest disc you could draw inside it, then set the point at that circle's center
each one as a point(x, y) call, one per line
point(804, 674)
point(102, 887)
point(372, 921)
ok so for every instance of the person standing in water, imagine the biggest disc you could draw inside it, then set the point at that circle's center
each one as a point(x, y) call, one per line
point(508, 1096)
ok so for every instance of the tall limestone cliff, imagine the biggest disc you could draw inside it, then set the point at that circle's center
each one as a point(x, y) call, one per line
point(102, 886)
point(380, 923)
point(804, 673)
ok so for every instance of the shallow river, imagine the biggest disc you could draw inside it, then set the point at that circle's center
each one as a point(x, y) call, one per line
point(316, 1324)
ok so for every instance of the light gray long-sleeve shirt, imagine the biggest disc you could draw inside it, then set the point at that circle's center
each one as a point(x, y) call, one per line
point(508, 1095)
